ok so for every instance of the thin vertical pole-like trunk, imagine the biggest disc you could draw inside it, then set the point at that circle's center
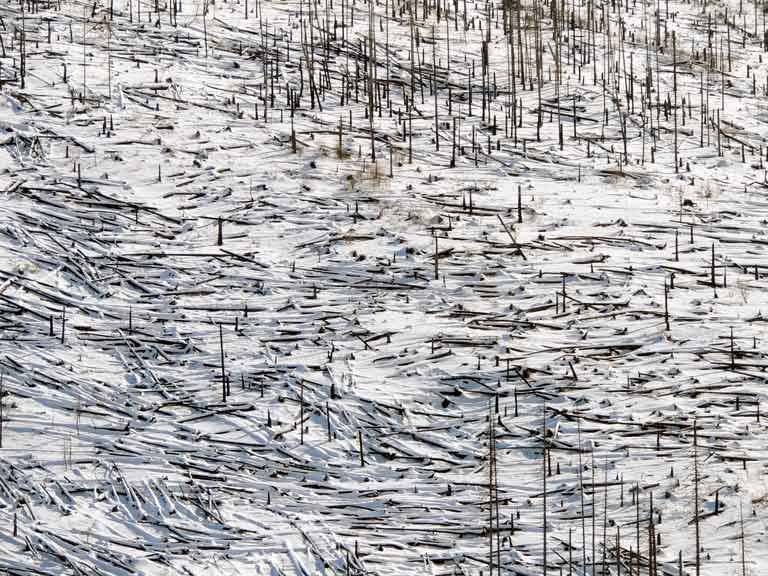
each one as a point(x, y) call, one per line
point(223, 375)
point(741, 522)
point(23, 48)
point(696, 498)
point(85, 21)
point(674, 90)
point(594, 510)
point(371, 69)
point(490, 488)
point(205, 25)
point(637, 525)
point(494, 463)
point(581, 494)
point(605, 514)
point(434, 82)
point(301, 415)
point(109, 59)
point(544, 479)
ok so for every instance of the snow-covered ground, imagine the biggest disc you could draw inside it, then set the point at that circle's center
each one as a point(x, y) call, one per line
point(123, 300)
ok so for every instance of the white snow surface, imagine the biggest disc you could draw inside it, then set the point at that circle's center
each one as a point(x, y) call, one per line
point(119, 453)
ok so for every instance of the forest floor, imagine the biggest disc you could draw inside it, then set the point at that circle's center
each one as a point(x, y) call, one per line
point(236, 339)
